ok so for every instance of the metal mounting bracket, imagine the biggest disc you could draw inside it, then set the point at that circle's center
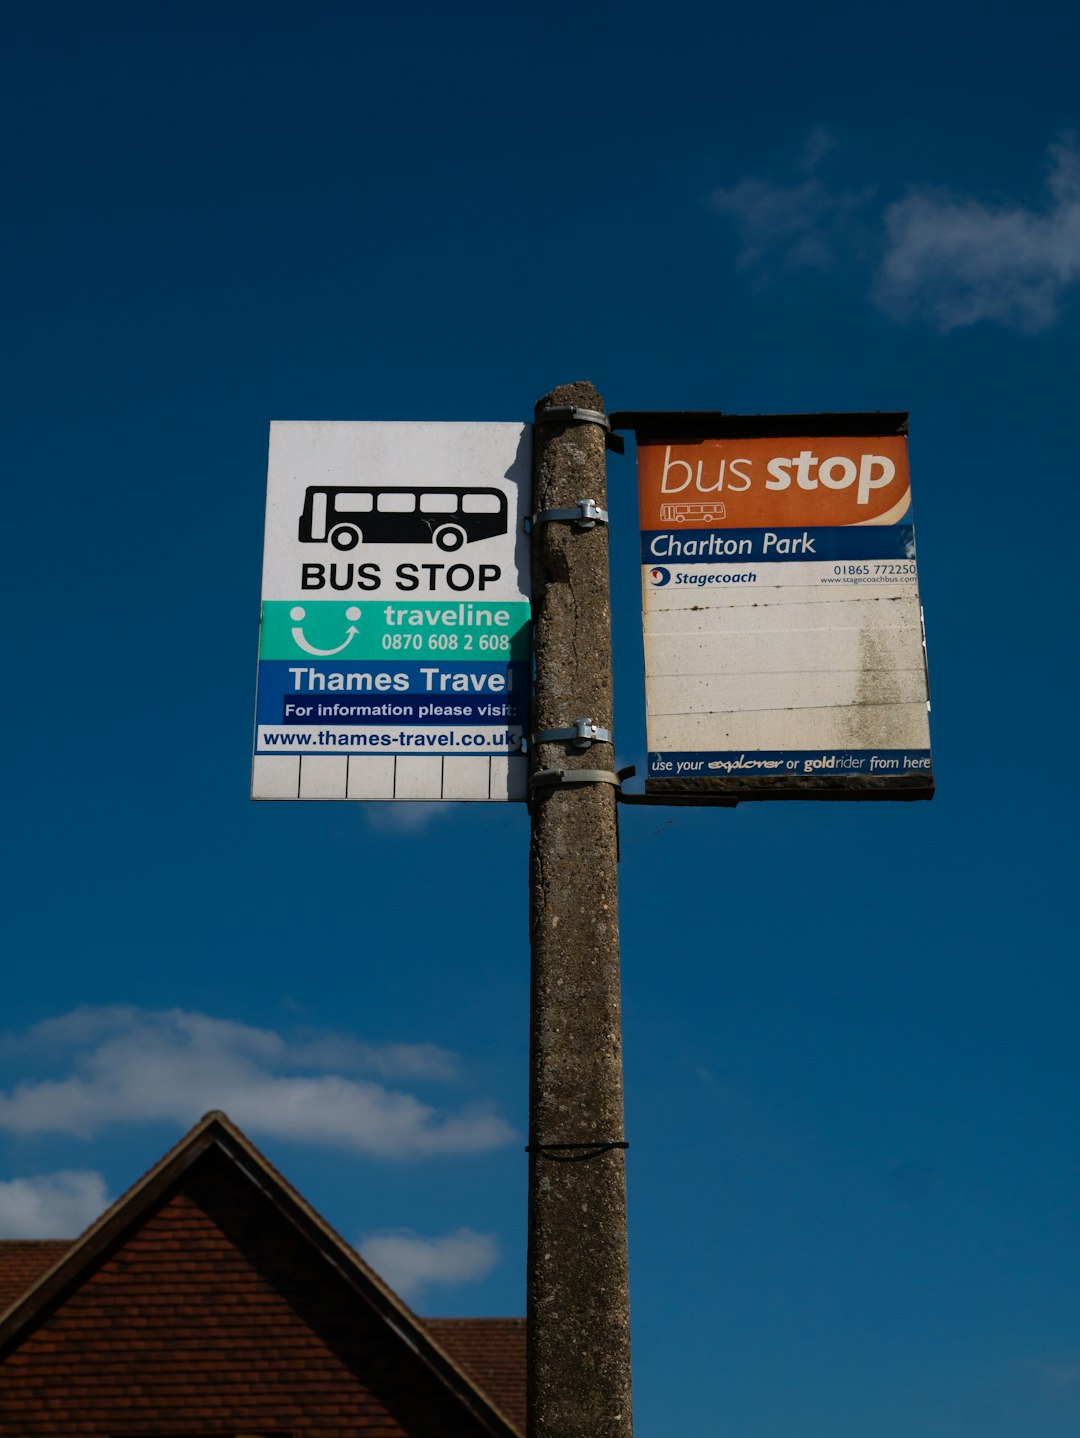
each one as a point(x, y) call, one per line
point(585, 514)
point(573, 414)
point(581, 733)
point(559, 778)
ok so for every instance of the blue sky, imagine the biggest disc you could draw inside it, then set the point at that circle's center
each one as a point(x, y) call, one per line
point(850, 1034)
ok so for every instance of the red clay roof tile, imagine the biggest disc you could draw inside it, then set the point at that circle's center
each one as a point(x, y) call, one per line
point(23, 1261)
point(133, 1307)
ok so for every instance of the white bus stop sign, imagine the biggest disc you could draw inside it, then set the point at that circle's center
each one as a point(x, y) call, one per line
point(394, 642)
point(784, 653)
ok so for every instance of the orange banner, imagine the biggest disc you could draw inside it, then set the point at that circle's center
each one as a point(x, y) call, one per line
point(775, 483)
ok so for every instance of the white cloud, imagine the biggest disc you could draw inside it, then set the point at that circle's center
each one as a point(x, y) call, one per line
point(959, 261)
point(410, 816)
point(797, 223)
point(817, 145)
point(409, 1262)
point(947, 258)
point(54, 1205)
point(131, 1065)
point(800, 224)
point(87, 1025)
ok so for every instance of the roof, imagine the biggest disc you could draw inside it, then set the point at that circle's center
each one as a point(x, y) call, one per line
point(493, 1351)
point(481, 1361)
point(22, 1263)
point(490, 1350)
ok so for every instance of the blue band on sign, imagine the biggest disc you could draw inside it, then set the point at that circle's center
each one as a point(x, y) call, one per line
point(396, 709)
point(377, 692)
point(789, 763)
point(782, 546)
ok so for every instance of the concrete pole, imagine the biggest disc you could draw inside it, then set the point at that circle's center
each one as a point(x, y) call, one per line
point(578, 1292)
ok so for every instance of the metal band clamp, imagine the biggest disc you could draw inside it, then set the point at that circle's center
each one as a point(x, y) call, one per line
point(573, 414)
point(559, 778)
point(585, 514)
point(581, 733)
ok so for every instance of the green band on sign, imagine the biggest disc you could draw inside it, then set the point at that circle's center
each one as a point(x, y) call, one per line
point(373, 629)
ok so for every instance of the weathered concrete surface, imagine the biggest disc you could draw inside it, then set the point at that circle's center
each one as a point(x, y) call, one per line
point(578, 1293)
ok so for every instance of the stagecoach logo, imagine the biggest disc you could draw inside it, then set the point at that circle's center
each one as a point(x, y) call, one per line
point(446, 516)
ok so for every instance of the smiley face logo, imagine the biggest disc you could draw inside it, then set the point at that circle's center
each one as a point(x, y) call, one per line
point(299, 613)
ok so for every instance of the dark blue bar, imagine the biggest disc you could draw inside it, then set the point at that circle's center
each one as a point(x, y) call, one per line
point(766, 546)
point(396, 684)
point(374, 709)
point(775, 763)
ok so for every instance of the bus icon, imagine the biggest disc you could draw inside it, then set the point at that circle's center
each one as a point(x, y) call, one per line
point(703, 512)
point(348, 515)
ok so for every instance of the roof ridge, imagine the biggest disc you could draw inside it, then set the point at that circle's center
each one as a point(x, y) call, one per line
point(217, 1129)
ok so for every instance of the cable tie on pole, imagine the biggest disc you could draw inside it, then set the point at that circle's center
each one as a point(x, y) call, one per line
point(565, 1152)
point(585, 514)
point(581, 733)
point(574, 414)
point(559, 778)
